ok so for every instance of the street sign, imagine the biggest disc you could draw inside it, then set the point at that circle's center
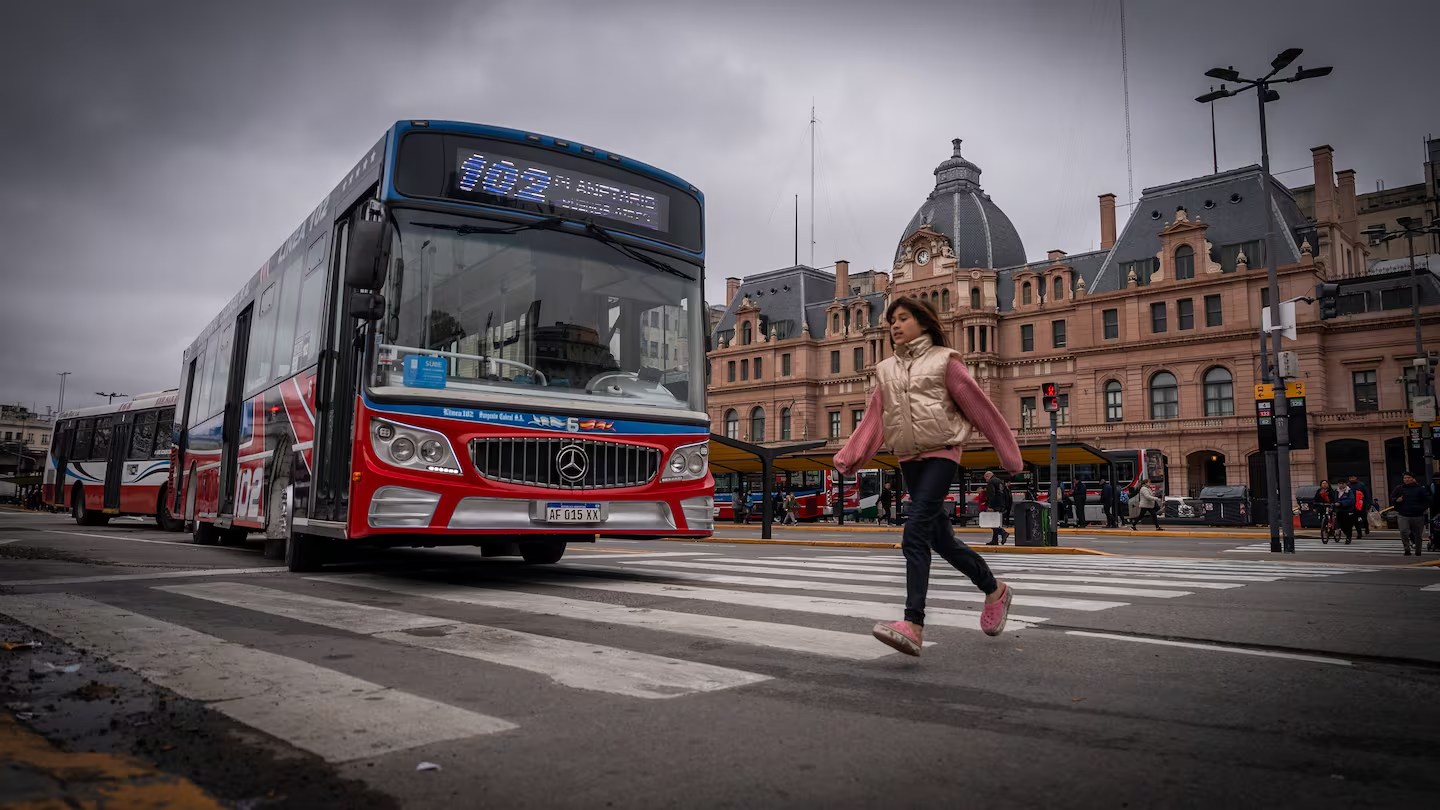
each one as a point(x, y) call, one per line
point(1289, 365)
point(1422, 409)
point(1293, 388)
point(1265, 422)
point(1299, 424)
point(1287, 320)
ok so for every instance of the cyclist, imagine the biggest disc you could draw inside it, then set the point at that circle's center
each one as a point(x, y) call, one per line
point(1324, 503)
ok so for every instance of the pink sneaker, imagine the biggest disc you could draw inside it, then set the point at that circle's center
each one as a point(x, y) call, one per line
point(898, 635)
point(992, 618)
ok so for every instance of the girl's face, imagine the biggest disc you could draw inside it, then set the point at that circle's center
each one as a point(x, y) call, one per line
point(1324, 484)
point(903, 326)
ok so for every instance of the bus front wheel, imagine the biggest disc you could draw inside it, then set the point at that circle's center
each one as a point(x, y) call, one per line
point(542, 552)
point(82, 514)
point(305, 553)
point(205, 534)
point(166, 521)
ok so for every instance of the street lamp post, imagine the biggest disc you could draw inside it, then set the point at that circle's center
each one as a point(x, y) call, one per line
point(1280, 508)
point(59, 409)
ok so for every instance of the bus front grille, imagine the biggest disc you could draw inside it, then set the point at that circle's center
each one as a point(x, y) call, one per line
point(571, 464)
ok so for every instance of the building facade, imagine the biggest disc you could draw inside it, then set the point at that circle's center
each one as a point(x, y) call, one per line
point(24, 439)
point(1153, 339)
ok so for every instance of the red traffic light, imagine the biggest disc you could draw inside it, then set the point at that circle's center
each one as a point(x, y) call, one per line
point(1049, 389)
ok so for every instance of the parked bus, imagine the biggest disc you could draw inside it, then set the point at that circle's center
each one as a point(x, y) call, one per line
point(481, 336)
point(113, 460)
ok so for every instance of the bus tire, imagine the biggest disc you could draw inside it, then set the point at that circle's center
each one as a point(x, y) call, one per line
point(542, 552)
point(163, 518)
point(82, 514)
point(305, 553)
point(204, 534)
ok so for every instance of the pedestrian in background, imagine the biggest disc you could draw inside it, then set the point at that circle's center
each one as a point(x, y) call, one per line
point(1411, 501)
point(1145, 500)
point(1108, 501)
point(924, 407)
point(1362, 525)
point(887, 495)
point(1079, 495)
point(997, 497)
point(1350, 507)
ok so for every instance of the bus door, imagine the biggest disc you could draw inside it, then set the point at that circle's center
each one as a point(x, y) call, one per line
point(235, 404)
point(64, 436)
point(177, 472)
point(335, 395)
point(115, 464)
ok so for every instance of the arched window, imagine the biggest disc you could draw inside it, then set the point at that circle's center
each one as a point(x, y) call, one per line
point(1058, 289)
point(1219, 392)
point(785, 424)
point(974, 297)
point(1114, 402)
point(1184, 262)
point(746, 333)
point(757, 425)
point(945, 300)
point(732, 424)
point(1027, 295)
point(1164, 396)
point(835, 324)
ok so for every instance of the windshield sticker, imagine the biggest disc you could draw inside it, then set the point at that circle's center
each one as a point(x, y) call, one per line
point(425, 372)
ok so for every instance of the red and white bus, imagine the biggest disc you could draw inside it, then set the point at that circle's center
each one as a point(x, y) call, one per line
point(482, 336)
point(113, 460)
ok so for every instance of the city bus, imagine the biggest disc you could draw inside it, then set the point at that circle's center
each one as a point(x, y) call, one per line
point(113, 460)
point(481, 336)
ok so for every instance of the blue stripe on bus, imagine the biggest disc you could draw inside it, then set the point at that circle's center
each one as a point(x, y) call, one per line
point(536, 421)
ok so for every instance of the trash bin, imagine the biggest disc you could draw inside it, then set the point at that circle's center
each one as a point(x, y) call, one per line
point(1034, 524)
point(1226, 505)
point(1309, 515)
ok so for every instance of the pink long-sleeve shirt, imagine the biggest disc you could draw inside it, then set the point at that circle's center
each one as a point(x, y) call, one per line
point(865, 442)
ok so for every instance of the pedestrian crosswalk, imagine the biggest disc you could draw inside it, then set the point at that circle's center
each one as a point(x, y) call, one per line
point(1368, 544)
point(816, 604)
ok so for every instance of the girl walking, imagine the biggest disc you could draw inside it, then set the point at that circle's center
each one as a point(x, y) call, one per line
point(924, 407)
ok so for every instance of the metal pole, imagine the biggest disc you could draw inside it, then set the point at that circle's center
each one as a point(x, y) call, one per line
point(61, 408)
point(1054, 482)
point(1276, 544)
point(840, 498)
point(1423, 387)
point(1280, 502)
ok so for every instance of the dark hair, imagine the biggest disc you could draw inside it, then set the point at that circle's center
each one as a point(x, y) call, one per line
point(923, 313)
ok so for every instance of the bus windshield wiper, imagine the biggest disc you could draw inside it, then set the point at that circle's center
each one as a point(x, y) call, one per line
point(599, 234)
point(548, 223)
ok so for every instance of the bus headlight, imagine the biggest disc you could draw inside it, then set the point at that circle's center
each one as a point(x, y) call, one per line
point(412, 448)
point(688, 463)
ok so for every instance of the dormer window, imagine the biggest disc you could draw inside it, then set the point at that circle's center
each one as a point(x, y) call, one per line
point(1184, 262)
point(1058, 288)
point(746, 333)
point(1027, 294)
point(974, 297)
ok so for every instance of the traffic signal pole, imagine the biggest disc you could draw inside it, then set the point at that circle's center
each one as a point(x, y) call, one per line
point(1050, 399)
point(1281, 509)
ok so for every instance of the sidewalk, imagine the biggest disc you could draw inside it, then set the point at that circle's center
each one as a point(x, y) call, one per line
point(36, 774)
point(1237, 533)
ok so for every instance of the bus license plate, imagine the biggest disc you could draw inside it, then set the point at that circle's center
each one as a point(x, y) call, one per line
point(572, 513)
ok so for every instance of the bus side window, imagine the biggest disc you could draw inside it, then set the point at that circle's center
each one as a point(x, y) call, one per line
point(142, 437)
point(262, 341)
point(306, 345)
point(285, 319)
point(201, 410)
point(220, 357)
point(104, 428)
point(164, 428)
point(84, 433)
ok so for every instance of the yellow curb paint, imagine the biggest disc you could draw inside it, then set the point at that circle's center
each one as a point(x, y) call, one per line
point(868, 544)
point(1426, 564)
point(88, 780)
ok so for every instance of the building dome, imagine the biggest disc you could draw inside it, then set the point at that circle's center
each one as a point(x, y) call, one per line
point(979, 232)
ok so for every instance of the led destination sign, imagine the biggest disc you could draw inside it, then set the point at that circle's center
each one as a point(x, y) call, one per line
point(489, 172)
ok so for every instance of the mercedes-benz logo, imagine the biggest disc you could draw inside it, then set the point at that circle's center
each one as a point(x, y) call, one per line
point(571, 462)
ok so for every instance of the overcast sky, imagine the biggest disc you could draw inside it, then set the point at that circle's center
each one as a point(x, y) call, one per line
point(153, 154)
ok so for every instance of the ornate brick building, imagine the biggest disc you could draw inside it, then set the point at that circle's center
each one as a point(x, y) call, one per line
point(1153, 338)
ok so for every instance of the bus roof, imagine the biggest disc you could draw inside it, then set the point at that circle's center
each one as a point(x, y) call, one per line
point(158, 399)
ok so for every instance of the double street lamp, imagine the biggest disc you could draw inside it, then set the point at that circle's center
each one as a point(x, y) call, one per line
point(1280, 494)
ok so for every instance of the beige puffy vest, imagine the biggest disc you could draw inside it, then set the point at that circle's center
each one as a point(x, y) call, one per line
point(920, 416)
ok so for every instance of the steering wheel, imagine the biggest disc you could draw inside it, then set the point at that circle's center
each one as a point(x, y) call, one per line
point(626, 382)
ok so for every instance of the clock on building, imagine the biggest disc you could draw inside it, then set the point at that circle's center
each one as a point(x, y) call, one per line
point(922, 256)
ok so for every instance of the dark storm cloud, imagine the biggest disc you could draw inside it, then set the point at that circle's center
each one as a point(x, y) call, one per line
point(155, 153)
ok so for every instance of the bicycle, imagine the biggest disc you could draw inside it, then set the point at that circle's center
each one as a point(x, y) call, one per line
point(1329, 524)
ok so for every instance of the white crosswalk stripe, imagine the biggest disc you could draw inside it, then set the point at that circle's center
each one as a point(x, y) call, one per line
point(1308, 545)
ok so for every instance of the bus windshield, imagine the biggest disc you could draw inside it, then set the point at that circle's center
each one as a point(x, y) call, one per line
point(538, 312)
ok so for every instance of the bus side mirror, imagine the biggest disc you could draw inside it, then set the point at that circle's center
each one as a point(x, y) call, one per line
point(367, 306)
point(365, 258)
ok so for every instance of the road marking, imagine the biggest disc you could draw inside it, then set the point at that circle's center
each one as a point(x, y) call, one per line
point(8, 542)
point(1212, 647)
point(794, 638)
point(203, 572)
point(1435, 587)
point(569, 663)
point(605, 552)
point(329, 713)
point(938, 569)
point(123, 537)
point(1099, 590)
point(1009, 568)
point(1088, 605)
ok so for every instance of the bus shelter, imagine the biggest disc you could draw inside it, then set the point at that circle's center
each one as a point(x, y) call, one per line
point(736, 456)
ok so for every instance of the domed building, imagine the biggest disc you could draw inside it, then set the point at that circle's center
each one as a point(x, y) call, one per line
point(979, 232)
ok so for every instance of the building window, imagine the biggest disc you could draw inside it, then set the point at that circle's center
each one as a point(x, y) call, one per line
point(730, 371)
point(1351, 303)
point(1219, 392)
point(1214, 315)
point(1157, 317)
point(1027, 337)
point(859, 358)
point(856, 415)
point(757, 368)
point(1112, 323)
point(785, 365)
point(1143, 270)
point(984, 338)
point(1027, 294)
point(834, 424)
point(757, 425)
point(1114, 402)
point(835, 362)
point(1397, 297)
point(785, 424)
point(1367, 392)
point(1185, 313)
point(1184, 262)
point(1062, 412)
point(746, 333)
point(732, 424)
point(945, 300)
point(835, 324)
point(1264, 297)
point(745, 369)
point(1027, 413)
point(1164, 396)
point(1058, 289)
point(1254, 255)
point(974, 297)
point(1057, 334)
point(1412, 389)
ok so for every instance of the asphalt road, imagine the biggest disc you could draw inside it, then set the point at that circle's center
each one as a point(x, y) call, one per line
point(1173, 673)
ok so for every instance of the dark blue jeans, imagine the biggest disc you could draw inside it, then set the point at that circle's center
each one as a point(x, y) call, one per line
point(928, 528)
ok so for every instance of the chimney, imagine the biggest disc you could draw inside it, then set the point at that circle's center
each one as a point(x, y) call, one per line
point(1346, 204)
point(1107, 221)
point(1324, 159)
point(842, 279)
point(732, 286)
point(1055, 255)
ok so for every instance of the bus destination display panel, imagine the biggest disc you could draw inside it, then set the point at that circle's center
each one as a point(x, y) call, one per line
point(486, 171)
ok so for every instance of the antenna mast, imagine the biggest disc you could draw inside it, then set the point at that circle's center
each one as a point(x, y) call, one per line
point(797, 229)
point(812, 182)
point(1125, 77)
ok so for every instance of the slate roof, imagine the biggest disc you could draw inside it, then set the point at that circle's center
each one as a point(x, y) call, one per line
point(980, 233)
point(1085, 265)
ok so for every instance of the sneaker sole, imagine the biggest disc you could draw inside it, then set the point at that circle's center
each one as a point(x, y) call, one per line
point(891, 638)
point(1005, 617)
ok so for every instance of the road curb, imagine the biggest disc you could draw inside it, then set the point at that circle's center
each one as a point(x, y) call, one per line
point(1426, 564)
point(46, 776)
point(873, 544)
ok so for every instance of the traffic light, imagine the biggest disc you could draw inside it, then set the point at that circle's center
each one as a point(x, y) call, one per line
point(1328, 297)
point(1050, 394)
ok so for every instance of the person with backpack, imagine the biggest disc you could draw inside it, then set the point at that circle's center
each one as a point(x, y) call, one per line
point(925, 405)
point(997, 497)
point(1350, 508)
point(1362, 526)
